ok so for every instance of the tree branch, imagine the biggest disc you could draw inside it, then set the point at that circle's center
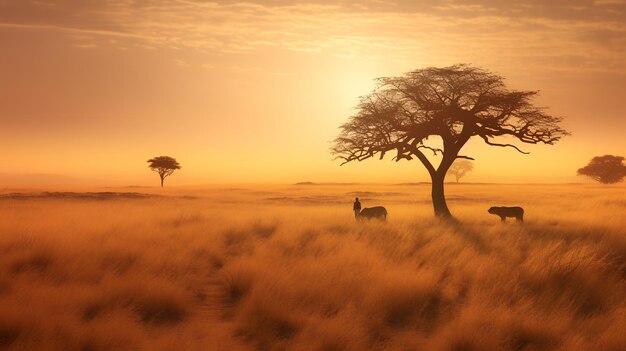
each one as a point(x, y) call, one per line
point(433, 149)
point(486, 139)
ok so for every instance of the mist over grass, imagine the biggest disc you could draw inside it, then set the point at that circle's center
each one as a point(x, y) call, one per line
point(286, 267)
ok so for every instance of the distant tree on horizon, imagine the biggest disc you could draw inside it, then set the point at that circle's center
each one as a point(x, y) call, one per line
point(164, 166)
point(460, 168)
point(454, 103)
point(607, 169)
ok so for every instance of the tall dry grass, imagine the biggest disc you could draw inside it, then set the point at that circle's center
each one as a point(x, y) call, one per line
point(286, 267)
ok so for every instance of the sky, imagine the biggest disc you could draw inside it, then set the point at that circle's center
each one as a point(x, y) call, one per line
point(254, 91)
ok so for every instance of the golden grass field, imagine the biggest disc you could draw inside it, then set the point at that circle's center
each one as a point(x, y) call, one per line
point(270, 267)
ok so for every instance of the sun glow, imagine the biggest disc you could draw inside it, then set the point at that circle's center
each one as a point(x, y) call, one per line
point(259, 94)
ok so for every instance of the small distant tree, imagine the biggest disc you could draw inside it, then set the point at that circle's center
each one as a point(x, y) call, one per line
point(460, 167)
point(607, 169)
point(164, 166)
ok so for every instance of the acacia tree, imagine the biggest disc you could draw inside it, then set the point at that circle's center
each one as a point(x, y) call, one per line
point(460, 168)
point(164, 166)
point(607, 169)
point(454, 103)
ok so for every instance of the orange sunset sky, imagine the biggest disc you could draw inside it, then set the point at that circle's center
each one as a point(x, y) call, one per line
point(242, 91)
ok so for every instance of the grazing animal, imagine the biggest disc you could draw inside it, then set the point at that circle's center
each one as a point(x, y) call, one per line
point(504, 212)
point(377, 212)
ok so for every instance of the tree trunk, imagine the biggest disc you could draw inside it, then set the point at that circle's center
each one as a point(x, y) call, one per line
point(438, 196)
point(162, 178)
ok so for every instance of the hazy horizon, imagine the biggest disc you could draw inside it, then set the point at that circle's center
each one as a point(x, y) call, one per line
point(89, 185)
point(35, 180)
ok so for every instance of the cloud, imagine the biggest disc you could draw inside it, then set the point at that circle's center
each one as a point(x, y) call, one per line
point(400, 30)
point(85, 46)
point(181, 63)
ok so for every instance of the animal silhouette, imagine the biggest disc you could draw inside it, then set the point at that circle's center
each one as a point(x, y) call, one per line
point(377, 212)
point(504, 212)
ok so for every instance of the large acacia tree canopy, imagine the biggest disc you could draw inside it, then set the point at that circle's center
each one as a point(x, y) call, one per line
point(455, 103)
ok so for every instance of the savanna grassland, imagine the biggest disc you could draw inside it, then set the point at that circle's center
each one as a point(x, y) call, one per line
point(286, 267)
